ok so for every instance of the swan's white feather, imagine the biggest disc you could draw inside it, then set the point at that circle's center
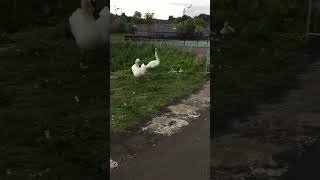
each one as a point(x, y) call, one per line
point(154, 63)
point(138, 71)
point(88, 32)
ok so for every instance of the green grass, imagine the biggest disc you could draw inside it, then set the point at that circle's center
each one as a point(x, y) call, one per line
point(130, 101)
point(38, 82)
point(117, 37)
point(251, 72)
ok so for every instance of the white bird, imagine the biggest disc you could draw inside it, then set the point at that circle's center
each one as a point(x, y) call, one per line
point(154, 63)
point(137, 70)
point(88, 32)
point(227, 29)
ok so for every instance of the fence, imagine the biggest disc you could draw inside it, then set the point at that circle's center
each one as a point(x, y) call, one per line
point(199, 47)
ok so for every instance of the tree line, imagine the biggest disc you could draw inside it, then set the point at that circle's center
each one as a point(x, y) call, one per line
point(186, 24)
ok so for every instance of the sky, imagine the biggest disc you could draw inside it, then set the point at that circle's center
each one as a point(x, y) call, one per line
point(162, 9)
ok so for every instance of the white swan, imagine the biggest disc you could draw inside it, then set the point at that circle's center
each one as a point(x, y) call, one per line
point(154, 63)
point(227, 29)
point(88, 32)
point(137, 70)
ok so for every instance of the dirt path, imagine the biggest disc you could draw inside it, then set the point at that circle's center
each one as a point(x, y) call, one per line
point(167, 143)
point(183, 156)
point(265, 145)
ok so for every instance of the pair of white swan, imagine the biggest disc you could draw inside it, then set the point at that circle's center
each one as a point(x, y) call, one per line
point(140, 71)
point(88, 32)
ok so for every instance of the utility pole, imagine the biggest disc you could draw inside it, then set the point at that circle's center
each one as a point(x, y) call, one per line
point(184, 9)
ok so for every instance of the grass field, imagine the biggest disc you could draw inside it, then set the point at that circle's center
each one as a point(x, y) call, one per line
point(45, 132)
point(132, 101)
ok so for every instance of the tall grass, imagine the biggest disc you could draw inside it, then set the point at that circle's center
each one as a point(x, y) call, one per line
point(123, 55)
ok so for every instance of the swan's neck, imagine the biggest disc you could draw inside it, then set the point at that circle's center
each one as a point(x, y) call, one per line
point(86, 6)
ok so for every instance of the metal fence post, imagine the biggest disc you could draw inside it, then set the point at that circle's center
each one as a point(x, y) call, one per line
point(208, 62)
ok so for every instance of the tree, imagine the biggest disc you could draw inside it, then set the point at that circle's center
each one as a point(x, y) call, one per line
point(137, 15)
point(148, 17)
point(186, 27)
point(177, 20)
point(136, 19)
point(185, 17)
point(171, 18)
point(199, 23)
point(205, 17)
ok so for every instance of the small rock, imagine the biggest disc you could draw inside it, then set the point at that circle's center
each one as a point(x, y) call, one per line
point(47, 134)
point(37, 53)
point(113, 164)
point(8, 172)
point(76, 99)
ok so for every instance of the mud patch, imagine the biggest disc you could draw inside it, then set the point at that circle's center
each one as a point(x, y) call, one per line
point(181, 114)
point(184, 110)
point(113, 164)
point(165, 126)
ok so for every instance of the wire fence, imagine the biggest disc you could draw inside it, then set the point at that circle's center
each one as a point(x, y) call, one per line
point(198, 47)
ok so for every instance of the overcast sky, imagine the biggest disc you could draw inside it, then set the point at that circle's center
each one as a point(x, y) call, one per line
point(162, 9)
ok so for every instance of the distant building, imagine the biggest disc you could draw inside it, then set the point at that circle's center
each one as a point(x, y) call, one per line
point(163, 30)
point(156, 30)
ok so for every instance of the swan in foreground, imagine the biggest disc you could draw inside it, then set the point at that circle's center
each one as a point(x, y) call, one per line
point(137, 70)
point(88, 32)
point(227, 29)
point(154, 63)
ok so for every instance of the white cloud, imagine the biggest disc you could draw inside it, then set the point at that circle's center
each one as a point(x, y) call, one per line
point(162, 9)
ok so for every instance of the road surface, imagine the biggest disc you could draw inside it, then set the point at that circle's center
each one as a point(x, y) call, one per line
point(183, 156)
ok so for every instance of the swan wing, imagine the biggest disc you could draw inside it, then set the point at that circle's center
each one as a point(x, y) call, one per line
point(143, 69)
point(105, 11)
point(103, 23)
point(84, 30)
point(153, 64)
